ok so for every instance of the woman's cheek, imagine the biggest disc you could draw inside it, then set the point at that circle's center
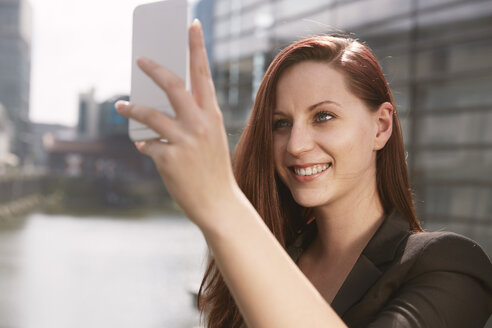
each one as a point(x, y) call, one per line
point(336, 141)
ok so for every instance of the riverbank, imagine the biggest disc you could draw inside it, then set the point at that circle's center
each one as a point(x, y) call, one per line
point(58, 205)
point(19, 207)
point(54, 204)
point(21, 194)
point(89, 196)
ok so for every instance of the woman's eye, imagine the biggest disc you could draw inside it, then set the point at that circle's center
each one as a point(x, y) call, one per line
point(278, 124)
point(323, 116)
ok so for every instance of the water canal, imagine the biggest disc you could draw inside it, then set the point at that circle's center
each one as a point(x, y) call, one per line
point(64, 271)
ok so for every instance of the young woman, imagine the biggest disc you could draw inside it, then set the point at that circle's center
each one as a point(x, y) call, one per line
point(316, 226)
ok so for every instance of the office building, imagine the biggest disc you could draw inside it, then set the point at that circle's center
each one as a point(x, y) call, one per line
point(110, 122)
point(7, 159)
point(15, 66)
point(42, 134)
point(88, 122)
point(100, 120)
point(204, 11)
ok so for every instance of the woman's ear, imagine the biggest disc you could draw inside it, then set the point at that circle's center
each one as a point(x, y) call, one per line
point(384, 121)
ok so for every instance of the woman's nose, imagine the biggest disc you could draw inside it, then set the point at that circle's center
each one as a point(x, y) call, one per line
point(300, 141)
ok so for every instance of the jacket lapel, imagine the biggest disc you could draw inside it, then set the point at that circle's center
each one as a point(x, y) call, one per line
point(381, 249)
point(363, 275)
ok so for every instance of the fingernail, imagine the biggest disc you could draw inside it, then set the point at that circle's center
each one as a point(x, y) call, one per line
point(142, 61)
point(197, 22)
point(121, 106)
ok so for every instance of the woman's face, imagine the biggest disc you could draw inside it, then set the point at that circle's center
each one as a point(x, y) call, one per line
point(324, 136)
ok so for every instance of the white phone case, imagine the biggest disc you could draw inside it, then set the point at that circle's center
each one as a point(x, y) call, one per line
point(160, 32)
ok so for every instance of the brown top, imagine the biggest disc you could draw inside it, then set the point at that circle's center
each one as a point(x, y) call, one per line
point(407, 279)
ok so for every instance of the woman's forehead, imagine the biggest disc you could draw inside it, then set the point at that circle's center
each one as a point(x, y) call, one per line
point(310, 82)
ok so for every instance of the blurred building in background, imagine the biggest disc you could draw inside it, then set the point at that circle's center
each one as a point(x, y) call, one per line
point(436, 55)
point(99, 120)
point(110, 122)
point(96, 161)
point(204, 11)
point(15, 66)
point(41, 132)
point(4, 133)
point(7, 159)
point(88, 115)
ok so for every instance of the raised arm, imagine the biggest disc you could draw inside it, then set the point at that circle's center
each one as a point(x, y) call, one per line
point(195, 166)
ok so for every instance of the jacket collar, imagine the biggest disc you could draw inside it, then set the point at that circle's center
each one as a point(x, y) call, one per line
point(381, 249)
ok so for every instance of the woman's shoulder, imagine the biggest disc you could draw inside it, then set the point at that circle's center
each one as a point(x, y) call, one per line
point(422, 242)
point(438, 279)
point(434, 279)
point(446, 251)
point(443, 244)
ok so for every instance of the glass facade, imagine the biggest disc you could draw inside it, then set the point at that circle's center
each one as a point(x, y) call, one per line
point(436, 56)
point(15, 64)
point(110, 122)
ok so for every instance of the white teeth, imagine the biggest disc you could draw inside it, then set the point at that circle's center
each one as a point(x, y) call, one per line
point(311, 170)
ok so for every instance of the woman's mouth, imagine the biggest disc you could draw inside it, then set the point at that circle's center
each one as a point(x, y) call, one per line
point(311, 170)
point(307, 173)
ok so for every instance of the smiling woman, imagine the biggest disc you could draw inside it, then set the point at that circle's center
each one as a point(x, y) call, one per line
point(315, 227)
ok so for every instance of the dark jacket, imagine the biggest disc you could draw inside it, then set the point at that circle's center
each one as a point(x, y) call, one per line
point(407, 279)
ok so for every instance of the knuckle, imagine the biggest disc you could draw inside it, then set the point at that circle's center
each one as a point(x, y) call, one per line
point(203, 71)
point(169, 156)
point(201, 131)
point(159, 157)
point(131, 109)
point(219, 117)
point(211, 86)
point(173, 83)
point(155, 70)
point(150, 116)
point(189, 141)
point(144, 149)
point(186, 139)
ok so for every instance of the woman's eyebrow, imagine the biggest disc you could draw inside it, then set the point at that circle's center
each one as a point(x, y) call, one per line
point(278, 112)
point(331, 102)
point(312, 107)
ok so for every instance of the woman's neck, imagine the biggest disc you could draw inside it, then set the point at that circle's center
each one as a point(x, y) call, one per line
point(347, 225)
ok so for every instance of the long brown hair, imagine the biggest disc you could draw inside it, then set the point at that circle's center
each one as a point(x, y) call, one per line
point(254, 165)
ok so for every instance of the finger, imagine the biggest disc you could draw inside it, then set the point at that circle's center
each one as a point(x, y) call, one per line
point(149, 147)
point(201, 79)
point(180, 99)
point(162, 124)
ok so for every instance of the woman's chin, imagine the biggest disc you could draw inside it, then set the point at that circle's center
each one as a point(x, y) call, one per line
point(309, 201)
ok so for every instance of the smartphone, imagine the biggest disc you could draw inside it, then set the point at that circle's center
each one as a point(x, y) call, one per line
point(160, 32)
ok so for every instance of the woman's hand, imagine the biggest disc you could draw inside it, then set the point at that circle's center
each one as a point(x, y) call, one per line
point(194, 163)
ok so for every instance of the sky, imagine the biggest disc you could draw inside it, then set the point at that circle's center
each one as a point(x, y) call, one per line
point(78, 45)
